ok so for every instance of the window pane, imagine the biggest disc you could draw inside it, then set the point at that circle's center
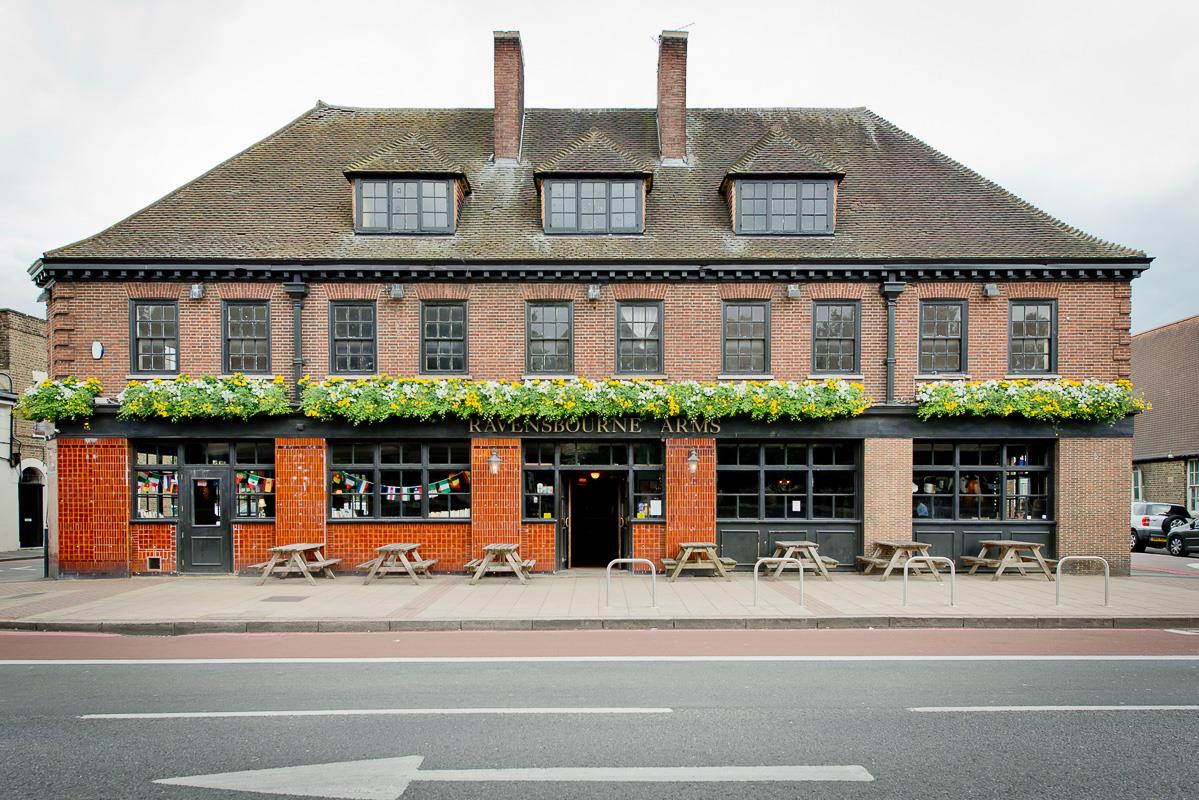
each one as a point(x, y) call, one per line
point(834, 340)
point(549, 338)
point(786, 493)
point(745, 337)
point(941, 337)
point(156, 337)
point(1030, 341)
point(443, 332)
point(539, 493)
point(638, 337)
point(156, 494)
point(353, 337)
point(737, 494)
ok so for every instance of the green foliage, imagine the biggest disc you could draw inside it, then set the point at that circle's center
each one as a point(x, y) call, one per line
point(186, 398)
point(1045, 400)
point(67, 399)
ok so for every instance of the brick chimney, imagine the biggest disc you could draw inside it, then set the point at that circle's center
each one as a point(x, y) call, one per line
point(672, 97)
point(509, 96)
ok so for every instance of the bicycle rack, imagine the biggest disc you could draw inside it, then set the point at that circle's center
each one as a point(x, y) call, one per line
point(1107, 575)
point(770, 560)
point(653, 579)
point(930, 561)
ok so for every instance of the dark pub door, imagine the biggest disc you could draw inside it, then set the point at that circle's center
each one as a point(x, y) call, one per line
point(205, 535)
point(596, 517)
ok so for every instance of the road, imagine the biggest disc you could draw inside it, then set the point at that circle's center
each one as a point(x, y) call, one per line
point(1158, 562)
point(830, 714)
point(20, 571)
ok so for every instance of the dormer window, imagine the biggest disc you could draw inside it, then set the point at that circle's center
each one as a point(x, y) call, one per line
point(593, 206)
point(405, 205)
point(784, 206)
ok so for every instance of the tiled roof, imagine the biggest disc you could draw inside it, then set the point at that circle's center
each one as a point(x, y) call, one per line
point(593, 152)
point(411, 154)
point(286, 198)
point(778, 153)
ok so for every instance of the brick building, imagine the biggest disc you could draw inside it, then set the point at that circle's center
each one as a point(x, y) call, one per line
point(666, 243)
point(1165, 443)
point(23, 476)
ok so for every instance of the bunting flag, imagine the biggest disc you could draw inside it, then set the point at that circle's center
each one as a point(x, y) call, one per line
point(356, 484)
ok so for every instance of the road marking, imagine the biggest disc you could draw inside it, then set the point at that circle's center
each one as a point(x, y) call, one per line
point(125, 662)
point(1182, 632)
point(385, 712)
point(388, 778)
point(974, 709)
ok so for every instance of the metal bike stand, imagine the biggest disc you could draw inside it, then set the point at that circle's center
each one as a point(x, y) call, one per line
point(930, 561)
point(769, 560)
point(653, 579)
point(1107, 575)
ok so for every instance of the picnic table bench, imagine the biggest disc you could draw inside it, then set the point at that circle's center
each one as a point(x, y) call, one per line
point(808, 555)
point(698, 556)
point(393, 559)
point(1010, 553)
point(889, 555)
point(296, 559)
point(500, 558)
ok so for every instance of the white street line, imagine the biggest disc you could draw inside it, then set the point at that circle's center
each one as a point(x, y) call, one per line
point(977, 709)
point(385, 712)
point(850, 772)
point(1183, 632)
point(123, 662)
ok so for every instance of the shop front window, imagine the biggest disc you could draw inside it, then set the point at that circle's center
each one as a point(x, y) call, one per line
point(787, 481)
point(642, 465)
point(254, 480)
point(156, 481)
point(981, 481)
point(399, 480)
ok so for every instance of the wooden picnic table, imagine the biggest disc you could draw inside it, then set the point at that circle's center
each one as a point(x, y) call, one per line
point(500, 558)
point(296, 559)
point(889, 555)
point(1010, 553)
point(807, 553)
point(697, 556)
point(393, 559)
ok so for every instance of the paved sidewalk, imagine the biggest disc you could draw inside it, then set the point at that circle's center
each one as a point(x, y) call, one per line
point(190, 604)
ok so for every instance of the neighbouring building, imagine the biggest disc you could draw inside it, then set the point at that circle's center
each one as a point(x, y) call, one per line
point(1165, 443)
point(668, 243)
point(22, 448)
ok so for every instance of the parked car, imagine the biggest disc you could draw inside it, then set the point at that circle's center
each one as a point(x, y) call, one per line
point(1183, 540)
point(1151, 523)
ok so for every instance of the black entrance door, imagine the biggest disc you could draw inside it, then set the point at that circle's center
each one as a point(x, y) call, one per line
point(596, 518)
point(29, 507)
point(205, 535)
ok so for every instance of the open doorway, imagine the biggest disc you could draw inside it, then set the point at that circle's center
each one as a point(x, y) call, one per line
point(596, 503)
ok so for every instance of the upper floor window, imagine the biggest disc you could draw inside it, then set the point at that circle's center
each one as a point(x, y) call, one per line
point(247, 340)
point(155, 327)
point(942, 336)
point(639, 337)
point(835, 337)
point(746, 337)
point(1032, 336)
point(549, 332)
point(405, 206)
point(592, 206)
point(352, 337)
point(785, 207)
point(443, 337)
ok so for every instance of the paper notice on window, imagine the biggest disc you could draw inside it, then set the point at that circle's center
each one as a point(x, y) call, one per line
point(797, 505)
point(655, 508)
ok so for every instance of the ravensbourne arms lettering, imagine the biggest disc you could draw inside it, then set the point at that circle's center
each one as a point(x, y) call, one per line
point(593, 425)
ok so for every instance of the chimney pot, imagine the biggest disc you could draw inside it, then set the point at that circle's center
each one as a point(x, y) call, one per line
point(672, 97)
point(509, 116)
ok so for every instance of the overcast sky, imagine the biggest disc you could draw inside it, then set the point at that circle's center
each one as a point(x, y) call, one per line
point(1086, 109)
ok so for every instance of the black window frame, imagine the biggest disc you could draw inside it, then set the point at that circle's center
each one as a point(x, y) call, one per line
point(608, 230)
point(771, 229)
point(239, 465)
point(963, 337)
point(226, 338)
point(1053, 335)
point(135, 467)
point(421, 229)
point(134, 365)
point(333, 339)
point(377, 466)
point(570, 321)
point(661, 338)
point(724, 337)
point(810, 466)
point(856, 305)
point(423, 367)
point(956, 471)
point(626, 459)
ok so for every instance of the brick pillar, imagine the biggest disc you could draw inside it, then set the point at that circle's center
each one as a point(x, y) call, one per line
point(1092, 487)
point(93, 505)
point(300, 502)
point(887, 483)
point(690, 499)
point(672, 96)
point(495, 499)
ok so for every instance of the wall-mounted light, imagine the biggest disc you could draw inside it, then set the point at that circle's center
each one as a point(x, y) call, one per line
point(991, 290)
point(196, 292)
point(595, 476)
point(494, 461)
point(97, 350)
point(793, 291)
point(593, 291)
point(395, 291)
point(693, 462)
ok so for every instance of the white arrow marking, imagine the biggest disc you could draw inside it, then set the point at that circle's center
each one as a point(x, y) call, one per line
point(388, 778)
point(384, 712)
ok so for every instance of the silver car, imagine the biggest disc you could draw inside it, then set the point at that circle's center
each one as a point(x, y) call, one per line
point(1151, 523)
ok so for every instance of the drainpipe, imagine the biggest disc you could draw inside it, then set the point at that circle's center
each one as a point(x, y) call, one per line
point(297, 290)
point(891, 290)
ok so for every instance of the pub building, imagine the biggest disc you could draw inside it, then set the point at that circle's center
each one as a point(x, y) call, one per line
point(668, 244)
